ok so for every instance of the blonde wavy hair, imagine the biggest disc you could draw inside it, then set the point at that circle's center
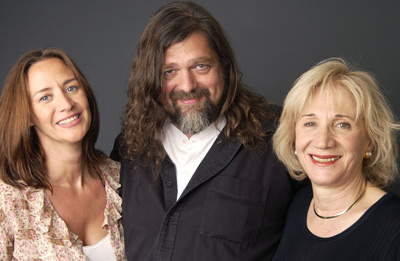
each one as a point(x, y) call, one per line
point(370, 105)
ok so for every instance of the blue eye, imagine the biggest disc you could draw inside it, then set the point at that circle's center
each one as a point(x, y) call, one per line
point(44, 98)
point(71, 89)
point(202, 66)
point(344, 125)
point(169, 72)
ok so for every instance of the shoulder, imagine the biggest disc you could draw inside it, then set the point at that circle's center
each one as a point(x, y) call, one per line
point(10, 194)
point(383, 217)
point(270, 118)
point(274, 109)
point(301, 198)
point(390, 202)
point(389, 207)
point(115, 153)
point(14, 201)
point(111, 171)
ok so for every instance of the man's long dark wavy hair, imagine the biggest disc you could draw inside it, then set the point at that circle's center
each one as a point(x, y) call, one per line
point(142, 132)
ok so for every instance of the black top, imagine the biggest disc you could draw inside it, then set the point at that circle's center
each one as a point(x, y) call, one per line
point(375, 236)
point(233, 208)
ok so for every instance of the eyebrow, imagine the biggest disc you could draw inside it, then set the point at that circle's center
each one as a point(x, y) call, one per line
point(204, 59)
point(308, 115)
point(342, 116)
point(48, 88)
point(336, 115)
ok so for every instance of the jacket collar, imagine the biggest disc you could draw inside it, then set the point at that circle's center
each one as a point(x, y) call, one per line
point(219, 156)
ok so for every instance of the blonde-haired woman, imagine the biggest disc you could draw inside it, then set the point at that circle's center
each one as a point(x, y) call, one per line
point(337, 130)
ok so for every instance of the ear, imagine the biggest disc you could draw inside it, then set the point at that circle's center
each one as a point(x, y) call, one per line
point(371, 145)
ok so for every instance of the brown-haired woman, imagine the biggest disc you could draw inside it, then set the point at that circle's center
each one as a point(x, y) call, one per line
point(58, 194)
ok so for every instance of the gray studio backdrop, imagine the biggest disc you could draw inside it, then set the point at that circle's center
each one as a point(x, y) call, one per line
point(274, 41)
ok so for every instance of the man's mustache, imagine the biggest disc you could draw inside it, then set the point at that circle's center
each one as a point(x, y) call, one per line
point(193, 94)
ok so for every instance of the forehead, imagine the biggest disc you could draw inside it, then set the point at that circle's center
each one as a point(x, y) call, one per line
point(48, 68)
point(337, 98)
point(194, 46)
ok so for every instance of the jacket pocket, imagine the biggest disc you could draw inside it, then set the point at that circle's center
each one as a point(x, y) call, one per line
point(233, 210)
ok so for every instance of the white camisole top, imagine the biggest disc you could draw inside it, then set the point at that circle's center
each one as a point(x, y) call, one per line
point(101, 251)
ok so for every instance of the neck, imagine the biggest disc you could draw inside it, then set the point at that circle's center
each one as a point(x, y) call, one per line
point(330, 202)
point(65, 165)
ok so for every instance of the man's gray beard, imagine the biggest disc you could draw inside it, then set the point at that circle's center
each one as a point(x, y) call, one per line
point(194, 120)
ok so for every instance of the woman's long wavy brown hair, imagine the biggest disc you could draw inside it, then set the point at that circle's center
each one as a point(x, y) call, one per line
point(142, 132)
point(22, 159)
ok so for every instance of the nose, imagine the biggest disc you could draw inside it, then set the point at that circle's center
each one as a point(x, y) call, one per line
point(188, 81)
point(323, 139)
point(64, 102)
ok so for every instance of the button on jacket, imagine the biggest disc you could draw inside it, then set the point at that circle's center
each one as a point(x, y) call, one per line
point(233, 208)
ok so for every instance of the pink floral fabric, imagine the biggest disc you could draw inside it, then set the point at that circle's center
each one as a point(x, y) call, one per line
point(30, 228)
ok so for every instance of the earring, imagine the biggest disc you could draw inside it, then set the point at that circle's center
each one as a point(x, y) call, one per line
point(368, 154)
point(295, 152)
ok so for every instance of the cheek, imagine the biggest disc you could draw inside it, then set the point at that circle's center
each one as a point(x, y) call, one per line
point(167, 89)
point(358, 150)
point(216, 90)
point(167, 103)
point(299, 143)
point(38, 117)
point(220, 91)
point(83, 103)
point(83, 100)
point(298, 140)
point(165, 100)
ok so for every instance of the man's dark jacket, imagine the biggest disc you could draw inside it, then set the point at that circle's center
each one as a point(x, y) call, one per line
point(233, 208)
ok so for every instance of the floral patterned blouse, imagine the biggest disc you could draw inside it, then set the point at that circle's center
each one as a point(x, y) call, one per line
point(31, 229)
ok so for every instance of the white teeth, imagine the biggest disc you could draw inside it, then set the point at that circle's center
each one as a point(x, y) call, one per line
point(68, 120)
point(325, 160)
